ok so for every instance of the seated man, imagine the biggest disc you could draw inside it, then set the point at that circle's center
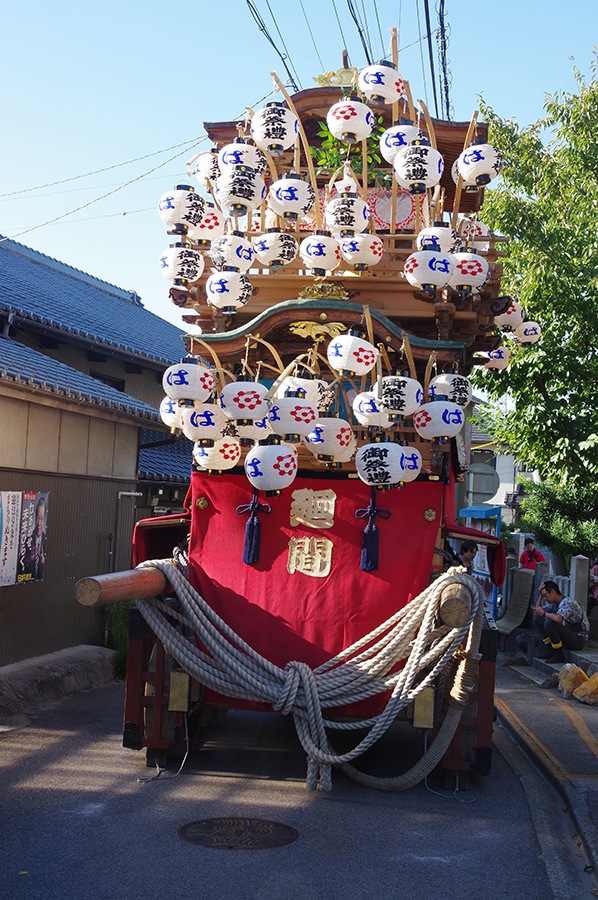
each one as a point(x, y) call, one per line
point(561, 621)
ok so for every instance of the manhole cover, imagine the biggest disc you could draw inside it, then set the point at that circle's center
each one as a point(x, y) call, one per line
point(238, 834)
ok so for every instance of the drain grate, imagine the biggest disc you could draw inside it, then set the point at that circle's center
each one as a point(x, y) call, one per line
point(238, 834)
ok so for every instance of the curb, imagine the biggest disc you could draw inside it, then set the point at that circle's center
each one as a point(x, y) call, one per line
point(32, 683)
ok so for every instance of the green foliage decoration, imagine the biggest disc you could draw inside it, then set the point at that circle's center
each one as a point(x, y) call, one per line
point(332, 154)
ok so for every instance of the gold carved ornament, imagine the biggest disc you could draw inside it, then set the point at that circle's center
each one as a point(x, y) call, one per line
point(317, 331)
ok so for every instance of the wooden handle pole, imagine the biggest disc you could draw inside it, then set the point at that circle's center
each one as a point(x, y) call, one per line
point(114, 587)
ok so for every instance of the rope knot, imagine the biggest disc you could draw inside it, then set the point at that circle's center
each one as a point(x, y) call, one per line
point(288, 692)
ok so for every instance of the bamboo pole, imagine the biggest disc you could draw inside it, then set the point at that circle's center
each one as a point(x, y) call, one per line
point(459, 188)
point(429, 124)
point(410, 103)
point(395, 116)
point(409, 355)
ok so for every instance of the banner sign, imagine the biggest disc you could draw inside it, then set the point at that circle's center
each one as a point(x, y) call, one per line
point(10, 520)
point(23, 530)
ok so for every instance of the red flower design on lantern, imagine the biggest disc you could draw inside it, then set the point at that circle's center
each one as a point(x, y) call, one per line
point(285, 465)
point(344, 437)
point(422, 418)
point(410, 266)
point(247, 399)
point(210, 222)
point(303, 414)
point(230, 451)
point(377, 248)
point(344, 112)
point(364, 356)
point(470, 267)
point(207, 381)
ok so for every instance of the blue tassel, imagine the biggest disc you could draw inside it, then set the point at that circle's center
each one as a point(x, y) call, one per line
point(251, 547)
point(371, 534)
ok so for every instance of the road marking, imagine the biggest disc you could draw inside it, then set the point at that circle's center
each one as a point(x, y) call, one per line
point(579, 724)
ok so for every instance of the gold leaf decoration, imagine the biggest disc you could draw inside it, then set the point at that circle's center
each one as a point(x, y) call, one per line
point(317, 331)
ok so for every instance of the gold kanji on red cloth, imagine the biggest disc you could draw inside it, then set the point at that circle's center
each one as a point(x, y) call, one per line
point(310, 555)
point(315, 509)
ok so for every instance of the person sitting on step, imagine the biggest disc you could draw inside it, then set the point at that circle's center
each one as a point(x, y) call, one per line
point(561, 621)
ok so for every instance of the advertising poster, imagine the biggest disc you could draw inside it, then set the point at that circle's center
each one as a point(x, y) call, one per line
point(10, 520)
point(32, 545)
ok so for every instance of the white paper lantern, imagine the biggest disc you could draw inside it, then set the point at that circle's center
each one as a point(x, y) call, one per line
point(228, 290)
point(182, 209)
point(441, 235)
point(210, 227)
point(239, 189)
point(351, 354)
point(188, 380)
point(346, 454)
point(456, 388)
point(401, 134)
point(410, 464)
point(439, 420)
point(367, 411)
point(362, 250)
point(473, 232)
point(527, 333)
point(331, 436)
point(292, 416)
point(320, 252)
point(401, 395)
point(270, 466)
point(347, 214)
point(314, 389)
point(275, 248)
point(470, 273)
point(244, 401)
point(170, 413)
point(202, 422)
point(512, 318)
point(380, 464)
point(497, 359)
point(241, 153)
point(181, 264)
point(350, 120)
point(232, 250)
point(381, 83)
point(467, 186)
point(418, 167)
point(206, 168)
point(225, 454)
point(480, 163)
point(429, 270)
point(274, 128)
point(257, 430)
point(291, 197)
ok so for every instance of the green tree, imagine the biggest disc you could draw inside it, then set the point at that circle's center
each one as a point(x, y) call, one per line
point(564, 517)
point(546, 202)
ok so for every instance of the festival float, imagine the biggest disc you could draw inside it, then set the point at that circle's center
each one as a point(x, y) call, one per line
point(338, 317)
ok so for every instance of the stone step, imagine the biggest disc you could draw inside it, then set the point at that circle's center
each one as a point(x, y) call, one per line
point(531, 673)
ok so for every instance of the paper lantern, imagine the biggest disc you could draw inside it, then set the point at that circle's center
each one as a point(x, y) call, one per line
point(527, 333)
point(292, 416)
point(350, 120)
point(429, 270)
point(439, 420)
point(467, 186)
point(347, 453)
point(456, 388)
point(182, 209)
point(210, 227)
point(320, 252)
point(498, 359)
point(242, 153)
point(347, 214)
point(206, 168)
point(239, 189)
point(257, 430)
point(470, 272)
point(330, 436)
point(202, 422)
point(367, 411)
point(274, 128)
point(418, 167)
point(473, 233)
point(291, 197)
point(275, 248)
point(401, 396)
point(244, 400)
point(181, 264)
point(225, 454)
point(351, 354)
point(228, 290)
point(232, 250)
point(401, 134)
point(271, 467)
point(314, 389)
point(480, 163)
point(410, 464)
point(512, 318)
point(381, 83)
point(188, 380)
point(362, 250)
point(440, 235)
point(380, 464)
point(170, 413)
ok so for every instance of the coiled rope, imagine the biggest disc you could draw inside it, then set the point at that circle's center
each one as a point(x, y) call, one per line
point(231, 667)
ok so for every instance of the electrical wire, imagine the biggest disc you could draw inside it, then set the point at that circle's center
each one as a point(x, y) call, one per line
point(445, 77)
point(262, 27)
point(365, 26)
point(311, 34)
point(355, 18)
point(431, 56)
point(340, 28)
point(283, 43)
point(421, 52)
point(379, 30)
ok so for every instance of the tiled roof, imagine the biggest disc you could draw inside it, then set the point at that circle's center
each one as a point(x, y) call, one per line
point(167, 462)
point(22, 365)
point(36, 287)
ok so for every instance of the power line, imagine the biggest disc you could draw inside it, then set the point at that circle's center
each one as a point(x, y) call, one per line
point(283, 43)
point(340, 28)
point(355, 18)
point(421, 52)
point(365, 25)
point(431, 55)
point(444, 33)
point(311, 33)
point(379, 30)
point(262, 27)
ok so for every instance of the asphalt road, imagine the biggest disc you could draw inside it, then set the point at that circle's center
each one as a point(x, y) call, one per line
point(77, 823)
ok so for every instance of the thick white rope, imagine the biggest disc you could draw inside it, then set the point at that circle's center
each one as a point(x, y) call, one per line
point(231, 667)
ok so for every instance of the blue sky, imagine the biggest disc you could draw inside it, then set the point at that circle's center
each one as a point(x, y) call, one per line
point(87, 87)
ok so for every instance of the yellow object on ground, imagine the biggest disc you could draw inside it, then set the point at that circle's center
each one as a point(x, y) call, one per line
point(570, 678)
point(587, 692)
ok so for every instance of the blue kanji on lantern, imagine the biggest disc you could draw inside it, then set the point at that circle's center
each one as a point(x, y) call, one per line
point(163, 262)
point(244, 252)
point(472, 156)
point(374, 77)
point(452, 417)
point(261, 246)
point(233, 157)
point(169, 406)
point(367, 406)
point(274, 417)
point(253, 467)
point(219, 287)
point(166, 203)
point(262, 423)
point(318, 249)
point(335, 349)
point(177, 377)
point(440, 264)
point(286, 193)
point(204, 419)
point(350, 247)
point(411, 462)
point(316, 435)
